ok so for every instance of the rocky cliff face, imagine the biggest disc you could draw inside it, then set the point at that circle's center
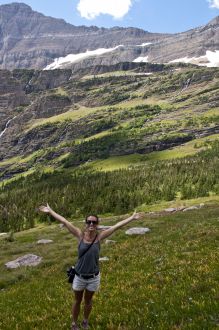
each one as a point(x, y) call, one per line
point(31, 40)
point(198, 46)
point(193, 43)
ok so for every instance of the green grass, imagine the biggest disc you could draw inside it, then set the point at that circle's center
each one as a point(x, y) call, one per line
point(21, 160)
point(179, 203)
point(166, 279)
point(72, 115)
point(114, 163)
point(44, 169)
point(109, 74)
point(212, 112)
point(17, 176)
point(60, 91)
point(118, 162)
point(98, 135)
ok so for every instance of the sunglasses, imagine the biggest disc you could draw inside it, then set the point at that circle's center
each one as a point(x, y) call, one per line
point(89, 222)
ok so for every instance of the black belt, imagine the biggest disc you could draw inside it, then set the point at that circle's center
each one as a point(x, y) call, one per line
point(87, 277)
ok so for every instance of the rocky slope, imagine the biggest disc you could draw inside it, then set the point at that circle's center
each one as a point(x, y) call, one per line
point(198, 46)
point(192, 43)
point(58, 118)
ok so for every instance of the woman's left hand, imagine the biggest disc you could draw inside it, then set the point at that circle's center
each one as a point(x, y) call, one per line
point(45, 209)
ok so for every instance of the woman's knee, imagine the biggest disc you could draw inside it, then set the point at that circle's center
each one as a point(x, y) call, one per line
point(88, 301)
point(78, 297)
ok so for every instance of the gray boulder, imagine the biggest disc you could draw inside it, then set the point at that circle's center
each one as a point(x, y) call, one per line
point(191, 208)
point(26, 260)
point(3, 234)
point(170, 209)
point(137, 231)
point(102, 227)
point(45, 241)
point(109, 241)
point(103, 259)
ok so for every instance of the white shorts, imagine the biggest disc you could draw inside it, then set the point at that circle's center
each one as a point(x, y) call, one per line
point(80, 284)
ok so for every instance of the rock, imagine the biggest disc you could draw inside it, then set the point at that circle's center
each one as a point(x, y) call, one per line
point(190, 208)
point(26, 260)
point(194, 207)
point(44, 241)
point(103, 259)
point(137, 231)
point(181, 208)
point(102, 227)
point(170, 209)
point(3, 234)
point(109, 241)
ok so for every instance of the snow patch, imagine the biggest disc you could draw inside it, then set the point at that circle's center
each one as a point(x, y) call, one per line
point(72, 58)
point(141, 59)
point(144, 73)
point(210, 59)
point(145, 44)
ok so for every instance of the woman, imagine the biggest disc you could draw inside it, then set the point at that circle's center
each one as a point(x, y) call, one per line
point(87, 278)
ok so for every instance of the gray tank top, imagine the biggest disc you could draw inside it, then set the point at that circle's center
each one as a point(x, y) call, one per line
point(89, 263)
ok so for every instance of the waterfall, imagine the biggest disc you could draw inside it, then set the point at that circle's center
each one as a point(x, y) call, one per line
point(6, 126)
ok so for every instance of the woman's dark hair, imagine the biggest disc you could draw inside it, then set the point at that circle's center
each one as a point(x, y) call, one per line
point(92, 215)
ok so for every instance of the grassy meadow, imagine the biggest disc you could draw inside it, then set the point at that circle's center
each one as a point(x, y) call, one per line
point(165, 279)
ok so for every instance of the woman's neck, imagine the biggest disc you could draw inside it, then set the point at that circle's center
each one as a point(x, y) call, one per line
point(89, 236)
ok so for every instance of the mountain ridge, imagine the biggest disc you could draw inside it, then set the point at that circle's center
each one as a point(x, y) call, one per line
point(26, 41)
point(29, 39)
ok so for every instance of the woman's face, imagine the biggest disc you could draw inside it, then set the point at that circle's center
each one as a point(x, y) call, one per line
point(91, 223)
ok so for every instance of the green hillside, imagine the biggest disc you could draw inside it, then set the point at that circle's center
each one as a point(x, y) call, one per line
point(93, 118)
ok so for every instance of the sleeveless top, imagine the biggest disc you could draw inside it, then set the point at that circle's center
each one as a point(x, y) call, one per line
point(88, 264)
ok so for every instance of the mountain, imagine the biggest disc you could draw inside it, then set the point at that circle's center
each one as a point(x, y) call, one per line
point(29, 39)
point(106, 102)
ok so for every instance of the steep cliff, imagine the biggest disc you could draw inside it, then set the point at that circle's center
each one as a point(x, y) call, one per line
point(31, 40)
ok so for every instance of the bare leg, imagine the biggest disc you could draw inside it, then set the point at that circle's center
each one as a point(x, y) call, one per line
point(77, 305)
point(87, 303)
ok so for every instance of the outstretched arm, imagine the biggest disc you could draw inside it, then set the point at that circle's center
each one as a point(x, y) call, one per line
point(106, 233)
point(73, 230)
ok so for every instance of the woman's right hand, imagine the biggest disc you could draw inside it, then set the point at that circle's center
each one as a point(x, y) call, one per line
point(45, 209)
